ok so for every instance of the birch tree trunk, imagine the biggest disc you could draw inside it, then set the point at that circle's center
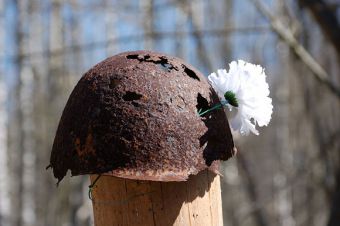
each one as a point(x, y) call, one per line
point(15, 131)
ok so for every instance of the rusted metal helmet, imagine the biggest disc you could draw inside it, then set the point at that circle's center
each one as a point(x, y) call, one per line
point(134, 115)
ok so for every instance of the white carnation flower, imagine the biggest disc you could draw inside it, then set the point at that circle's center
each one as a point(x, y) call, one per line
point(244, 86)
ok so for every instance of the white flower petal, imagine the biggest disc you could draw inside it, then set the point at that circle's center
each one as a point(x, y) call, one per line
point(248, 83)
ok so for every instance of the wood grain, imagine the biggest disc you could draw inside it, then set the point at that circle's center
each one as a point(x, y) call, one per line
point(124, 202)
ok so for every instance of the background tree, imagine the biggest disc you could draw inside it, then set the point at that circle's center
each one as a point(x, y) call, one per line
point(289, 175)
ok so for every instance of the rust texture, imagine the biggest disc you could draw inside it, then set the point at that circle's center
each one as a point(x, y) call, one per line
point(134, 115)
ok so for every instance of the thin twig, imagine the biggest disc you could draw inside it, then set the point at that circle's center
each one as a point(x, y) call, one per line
point(286, 35)
point(197, 34)
point(136, 37)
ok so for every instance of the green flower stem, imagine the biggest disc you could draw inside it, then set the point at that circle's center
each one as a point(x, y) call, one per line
point(210, 109)
point(217, 106)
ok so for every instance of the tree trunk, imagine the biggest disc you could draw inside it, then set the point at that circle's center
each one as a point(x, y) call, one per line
point(118, 201)
point(334, 217)
point(16, 134)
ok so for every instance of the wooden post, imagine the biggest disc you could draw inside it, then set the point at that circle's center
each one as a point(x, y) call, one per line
point(121, 202)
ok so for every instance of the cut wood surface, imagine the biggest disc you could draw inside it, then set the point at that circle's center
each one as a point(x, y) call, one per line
point(125, 202)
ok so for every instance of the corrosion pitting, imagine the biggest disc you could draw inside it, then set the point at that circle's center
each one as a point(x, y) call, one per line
point(160, 60)
point(134, 115)
point(190, 72)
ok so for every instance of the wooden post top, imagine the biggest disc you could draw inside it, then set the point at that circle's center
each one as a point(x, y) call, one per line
point(125, 202)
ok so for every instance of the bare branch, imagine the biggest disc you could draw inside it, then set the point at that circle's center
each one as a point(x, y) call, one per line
point(197, 34)
point(325, 16)
point(286, 35)
point(136, 37)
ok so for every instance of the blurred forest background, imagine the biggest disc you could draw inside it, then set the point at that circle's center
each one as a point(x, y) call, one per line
point(287, 176)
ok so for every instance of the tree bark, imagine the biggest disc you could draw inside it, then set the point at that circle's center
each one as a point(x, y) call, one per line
point(118, 201)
